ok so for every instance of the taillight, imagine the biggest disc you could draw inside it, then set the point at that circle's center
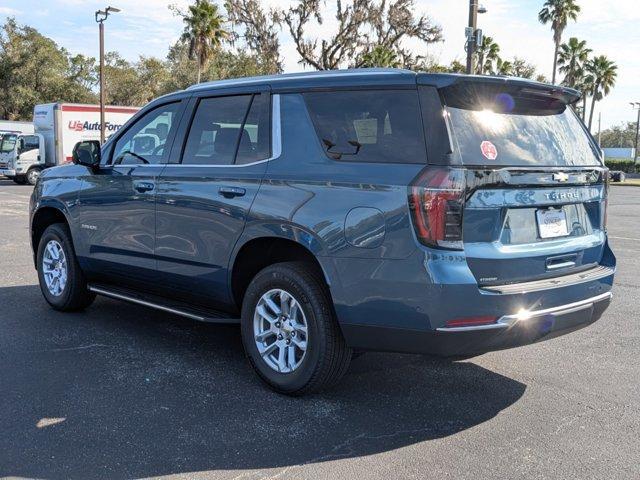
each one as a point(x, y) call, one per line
point(436, 201)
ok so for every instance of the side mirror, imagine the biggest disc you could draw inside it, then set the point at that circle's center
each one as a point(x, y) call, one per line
point(87, 153)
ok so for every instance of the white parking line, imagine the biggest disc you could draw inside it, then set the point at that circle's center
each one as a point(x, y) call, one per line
point(625, 238)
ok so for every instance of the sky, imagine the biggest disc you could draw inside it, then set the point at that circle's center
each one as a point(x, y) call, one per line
point(149, 27)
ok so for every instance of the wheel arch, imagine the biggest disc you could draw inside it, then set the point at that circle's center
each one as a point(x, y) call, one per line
point(46, 214)
point(258, 252)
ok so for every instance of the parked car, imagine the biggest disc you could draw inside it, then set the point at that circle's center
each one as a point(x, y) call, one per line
point(334, 212)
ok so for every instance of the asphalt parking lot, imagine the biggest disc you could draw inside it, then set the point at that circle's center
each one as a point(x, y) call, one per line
point(121, 391)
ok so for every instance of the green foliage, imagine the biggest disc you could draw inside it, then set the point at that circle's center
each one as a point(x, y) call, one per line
point(203, 31)
point(619, 136)
point(601, 78)
point(624, 165)
point(558, 13)
point(572, 58)
point(381, 56)
point(33, 69)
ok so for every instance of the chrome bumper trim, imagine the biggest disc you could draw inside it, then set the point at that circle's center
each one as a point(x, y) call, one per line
point(595, 273)
point(507, 321)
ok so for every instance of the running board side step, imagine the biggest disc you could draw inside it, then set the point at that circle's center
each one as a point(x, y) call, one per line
point(159, 303)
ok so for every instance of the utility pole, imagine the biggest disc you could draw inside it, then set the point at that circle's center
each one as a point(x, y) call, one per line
point(101, 16)
point(473, 23)
point(600, 129)
point(473, 34)
point(636, 106)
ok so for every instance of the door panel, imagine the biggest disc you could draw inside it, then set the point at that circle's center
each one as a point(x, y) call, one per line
point(117, 222)
point(198, 225)
point(203, 203)
point(116, 205)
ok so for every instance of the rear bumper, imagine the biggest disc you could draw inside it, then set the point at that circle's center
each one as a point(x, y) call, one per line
point(510, 331)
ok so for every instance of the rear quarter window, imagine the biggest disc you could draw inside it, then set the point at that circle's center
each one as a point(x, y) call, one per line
point(377, 126)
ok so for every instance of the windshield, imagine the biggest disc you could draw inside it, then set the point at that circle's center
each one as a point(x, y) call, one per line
point(8, 143)
point(484, 137)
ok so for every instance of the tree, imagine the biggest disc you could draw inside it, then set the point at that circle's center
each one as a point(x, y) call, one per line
point(487, 55)
point(224, 64)
point(601, 75)
point(204, 31)
point(571, 59)
point(380, 57)
point(33, 69)
point(260, 31)
point(520, 68)
point(623, 136)
point(558, 13)
point(363, 25)
point(504, 67)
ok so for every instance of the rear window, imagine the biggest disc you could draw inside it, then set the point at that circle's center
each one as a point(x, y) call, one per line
point(484, 137)
point(381, 126)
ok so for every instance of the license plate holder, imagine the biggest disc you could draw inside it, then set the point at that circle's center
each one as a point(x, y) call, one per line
point(552, 223)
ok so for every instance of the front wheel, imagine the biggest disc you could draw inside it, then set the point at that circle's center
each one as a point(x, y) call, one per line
point(290, 332)
point(61, 280)
point(33, 175)
point(20, 180)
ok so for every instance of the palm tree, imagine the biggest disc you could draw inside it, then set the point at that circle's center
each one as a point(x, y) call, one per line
point(381, 56)
point(487, 53)
point(558, 13)
point(504, 67)
point(204, 31)
point(602, 74)
point(571, 59)
point(585, 86)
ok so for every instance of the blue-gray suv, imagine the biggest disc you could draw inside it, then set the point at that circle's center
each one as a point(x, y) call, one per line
point(336, 212)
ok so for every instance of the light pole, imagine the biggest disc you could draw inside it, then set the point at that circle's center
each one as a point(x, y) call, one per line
point(101, 16)
point(473, 34)
point(636, 106)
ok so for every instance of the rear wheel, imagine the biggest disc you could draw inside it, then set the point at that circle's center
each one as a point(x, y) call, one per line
point(290, 332)
point(61, 280)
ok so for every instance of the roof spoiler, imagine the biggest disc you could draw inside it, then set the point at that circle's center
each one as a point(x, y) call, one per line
point(504, 94)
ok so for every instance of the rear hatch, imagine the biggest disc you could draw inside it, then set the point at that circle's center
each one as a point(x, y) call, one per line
point(532, 186)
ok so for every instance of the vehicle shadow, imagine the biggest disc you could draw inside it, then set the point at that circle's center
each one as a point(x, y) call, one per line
point(121, 391)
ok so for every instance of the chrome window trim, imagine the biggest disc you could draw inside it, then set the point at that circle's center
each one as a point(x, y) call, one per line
point(276, 145)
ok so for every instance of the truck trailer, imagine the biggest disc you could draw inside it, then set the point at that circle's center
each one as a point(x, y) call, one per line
point(57, 128)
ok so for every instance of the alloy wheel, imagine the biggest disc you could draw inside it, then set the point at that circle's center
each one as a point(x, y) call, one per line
point(280, 330)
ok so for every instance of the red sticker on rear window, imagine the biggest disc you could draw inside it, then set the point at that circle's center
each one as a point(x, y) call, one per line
point(489, 150)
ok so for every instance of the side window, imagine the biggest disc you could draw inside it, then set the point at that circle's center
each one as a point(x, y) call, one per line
point(30, 142)
point(224, 127)
point(145, 141)
point(382, 126)
point(257, 141)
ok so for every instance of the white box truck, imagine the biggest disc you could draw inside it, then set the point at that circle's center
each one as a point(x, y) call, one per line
point(11, 126)
point(57, 128)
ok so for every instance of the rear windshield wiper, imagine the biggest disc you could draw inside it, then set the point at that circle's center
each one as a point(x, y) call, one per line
point(329, 144)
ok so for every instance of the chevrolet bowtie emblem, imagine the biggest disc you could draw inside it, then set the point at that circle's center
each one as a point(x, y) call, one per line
point(561, 177)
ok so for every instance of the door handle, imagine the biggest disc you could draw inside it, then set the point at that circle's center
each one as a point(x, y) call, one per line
point(143, 186)
point(230, 192)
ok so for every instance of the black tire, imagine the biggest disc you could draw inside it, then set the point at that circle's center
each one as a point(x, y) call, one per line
point(32, 175)
point(19, 180)
point(74, 296)
point(327, 355)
